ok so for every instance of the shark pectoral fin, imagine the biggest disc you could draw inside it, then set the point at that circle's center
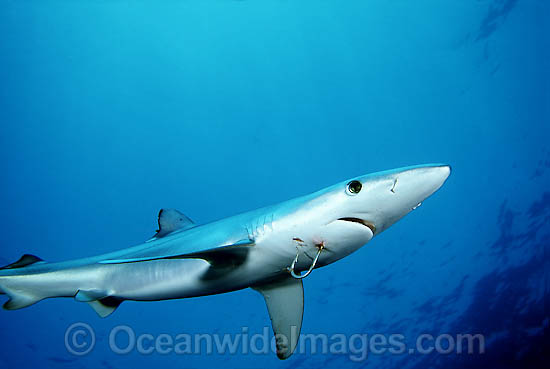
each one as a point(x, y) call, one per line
point(285, 304)
point(171, 220)
point(106, 306)
point(233, 254)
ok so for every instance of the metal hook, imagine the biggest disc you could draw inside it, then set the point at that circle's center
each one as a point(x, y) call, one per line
point(298, 276)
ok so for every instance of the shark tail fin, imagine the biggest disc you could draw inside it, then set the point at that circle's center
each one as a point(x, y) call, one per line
point(18, 299)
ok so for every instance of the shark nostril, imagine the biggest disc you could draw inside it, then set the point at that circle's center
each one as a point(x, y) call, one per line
point(393, 187)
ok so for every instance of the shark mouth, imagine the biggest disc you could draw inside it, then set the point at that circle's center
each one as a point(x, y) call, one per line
point(362, 222)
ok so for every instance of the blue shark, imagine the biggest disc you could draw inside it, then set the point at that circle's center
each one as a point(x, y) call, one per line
point(269, 250)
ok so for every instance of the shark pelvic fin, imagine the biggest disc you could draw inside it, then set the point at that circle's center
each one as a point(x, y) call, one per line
point(285, 304)
point(23, 261)
point(89, 295)
point(105, 306)
point(171, 220)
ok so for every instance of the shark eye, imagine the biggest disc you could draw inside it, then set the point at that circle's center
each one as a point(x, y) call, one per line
point(354, 187)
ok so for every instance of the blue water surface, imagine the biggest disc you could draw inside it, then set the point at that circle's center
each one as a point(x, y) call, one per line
point(111, 110)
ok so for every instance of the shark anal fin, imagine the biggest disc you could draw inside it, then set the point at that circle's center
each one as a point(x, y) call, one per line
point(105, 306)
point(285, 304)
point(23, 261)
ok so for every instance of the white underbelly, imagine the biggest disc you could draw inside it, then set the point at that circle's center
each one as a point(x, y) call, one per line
point(180, 278)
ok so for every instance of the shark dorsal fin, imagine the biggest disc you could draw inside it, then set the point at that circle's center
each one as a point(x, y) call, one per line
point(171, 220)
point(23, 261)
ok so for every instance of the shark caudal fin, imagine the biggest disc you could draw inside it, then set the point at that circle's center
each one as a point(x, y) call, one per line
point(18, 297)
point(25, 285)
point(18, 300)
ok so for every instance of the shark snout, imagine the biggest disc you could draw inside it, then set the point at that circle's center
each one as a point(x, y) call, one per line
point(424, 180)
point(400, 191)
point(413, 185)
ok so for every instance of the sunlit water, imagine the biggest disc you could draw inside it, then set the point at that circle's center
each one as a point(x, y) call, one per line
point(114, 109)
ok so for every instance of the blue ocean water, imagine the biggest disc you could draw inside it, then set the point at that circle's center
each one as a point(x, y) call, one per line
point(111, 110)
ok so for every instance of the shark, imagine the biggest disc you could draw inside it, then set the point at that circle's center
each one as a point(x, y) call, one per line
point(270, 250)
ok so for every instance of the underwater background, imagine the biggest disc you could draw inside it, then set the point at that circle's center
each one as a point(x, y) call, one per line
point(111, 110)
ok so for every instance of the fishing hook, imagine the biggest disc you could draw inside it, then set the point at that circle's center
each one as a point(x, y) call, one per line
point(298, 276)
